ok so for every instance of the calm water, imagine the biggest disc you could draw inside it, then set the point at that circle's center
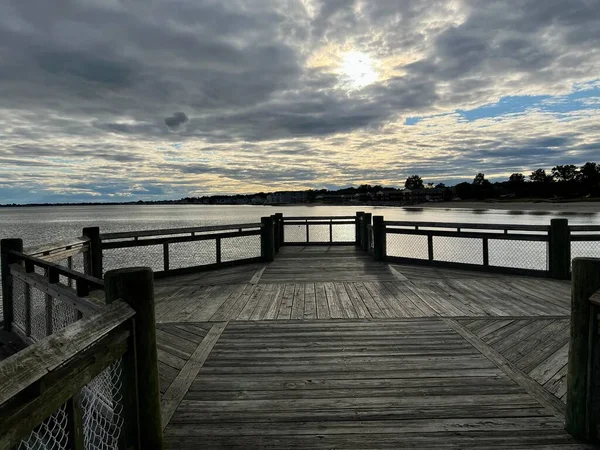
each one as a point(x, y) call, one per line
point(36, 225)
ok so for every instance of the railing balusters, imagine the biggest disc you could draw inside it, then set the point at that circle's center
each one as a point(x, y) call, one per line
point(53, 277)
point(486, 252)
point(218, 250)
point(166, 256)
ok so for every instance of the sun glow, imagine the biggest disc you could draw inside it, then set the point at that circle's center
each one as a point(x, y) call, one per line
point(357, 70)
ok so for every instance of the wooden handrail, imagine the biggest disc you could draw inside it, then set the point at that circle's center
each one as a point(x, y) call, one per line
point(168, 231)
point(470, 226)
point(585, 237)
point(93, 282)
point(56, 290)
point(468, 234)
point(320, 222)
point(584, 227)
point(286, 218)
point(171, 240)
point(51, 247)
point(39, 379)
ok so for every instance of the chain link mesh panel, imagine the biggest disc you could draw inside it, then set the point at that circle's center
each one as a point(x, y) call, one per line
point(318, 233)
point(102, 405)
point(52, 433)
point(587, 249)
point(456, 249)
point(190, 254)
point(241, 247)
point(294, 233)
point(518, 254)
point(62, 314)
point(344, 233)
point(145, 256)
point(406, 246)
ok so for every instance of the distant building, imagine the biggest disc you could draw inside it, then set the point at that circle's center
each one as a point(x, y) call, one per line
point(287, 197)
point(423, 195)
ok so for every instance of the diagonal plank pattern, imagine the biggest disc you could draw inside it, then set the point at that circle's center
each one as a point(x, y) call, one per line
point(413, 383)
point(538, 347)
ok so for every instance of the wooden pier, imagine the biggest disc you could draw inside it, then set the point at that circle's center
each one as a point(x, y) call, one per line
point(324, 347)
point(321, 344)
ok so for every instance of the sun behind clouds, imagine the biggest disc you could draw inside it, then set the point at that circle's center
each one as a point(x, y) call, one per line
point(357, 70)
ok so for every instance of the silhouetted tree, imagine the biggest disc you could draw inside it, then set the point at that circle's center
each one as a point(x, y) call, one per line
point(480, 180)
point(414, 182)
point(440, 186)
point(566, 173)
point(539, 176)
point(517, 178)
point(590, 178)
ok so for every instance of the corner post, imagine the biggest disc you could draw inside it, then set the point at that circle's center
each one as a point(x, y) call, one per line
point(135, 286)
point(93, 258)
point(280, 226)
point(379, 249)
point(358, 228)
point(583, 395)
point(6, 245)
point(267, 239)
point(277, 229)
point(365, 230)
point(559, 251)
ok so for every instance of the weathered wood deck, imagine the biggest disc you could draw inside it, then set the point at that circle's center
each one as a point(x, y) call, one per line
point(326, 348)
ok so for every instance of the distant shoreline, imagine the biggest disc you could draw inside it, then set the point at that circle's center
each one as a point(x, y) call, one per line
point(589, 207)
point(574, 207)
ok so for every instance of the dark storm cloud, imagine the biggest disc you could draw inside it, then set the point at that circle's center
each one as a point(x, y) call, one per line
point(176, 120)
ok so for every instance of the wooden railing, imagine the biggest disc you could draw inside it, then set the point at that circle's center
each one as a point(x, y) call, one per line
point(476, 246)
point(583, 376)
point(318, 230)
point(51, 385)
point(193, 238)
point(46, 297)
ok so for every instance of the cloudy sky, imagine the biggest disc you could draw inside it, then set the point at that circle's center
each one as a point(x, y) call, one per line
point(125, 99)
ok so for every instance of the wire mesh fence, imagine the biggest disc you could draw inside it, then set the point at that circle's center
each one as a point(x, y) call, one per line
point(532, 255)
point(102, 405)
point(38, 315)
point(191, 254)
point(319, 233)
point(406, 246)
point(145, 256)
point(240, 247)
point(52, 433)
point(294, 233)
point(588, 249)
point(343, 232)
point(458, 250)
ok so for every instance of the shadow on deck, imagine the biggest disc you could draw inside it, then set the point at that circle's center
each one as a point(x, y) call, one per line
point(326, 348)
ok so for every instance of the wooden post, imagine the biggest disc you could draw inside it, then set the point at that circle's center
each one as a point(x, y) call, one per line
point(267, 239)
point(580, 395)
point(53, 278)
point(278, 231)
point(379, 239)
point(330, 230)
point(93, 260)
point(75, 423)
point(430, 246)
point(135, 286)
point(486, 252)
point(559, 251)
point(6, 260)
point(166, 256)
point(358, 228)
point(365, 229)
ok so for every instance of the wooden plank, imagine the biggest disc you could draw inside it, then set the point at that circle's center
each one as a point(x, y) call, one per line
point(287, 301)
point(298, 302)
point(321, 300)
point(256, 277)
point(533, 388)
point(310, 301)
point(189, 372)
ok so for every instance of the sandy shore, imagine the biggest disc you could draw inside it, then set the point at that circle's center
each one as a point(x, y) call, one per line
point(574, 207)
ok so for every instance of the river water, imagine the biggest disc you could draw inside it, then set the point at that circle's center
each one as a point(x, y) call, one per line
point(41, 224)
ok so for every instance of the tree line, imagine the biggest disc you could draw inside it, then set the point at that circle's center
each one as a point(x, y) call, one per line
point(565, 181)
